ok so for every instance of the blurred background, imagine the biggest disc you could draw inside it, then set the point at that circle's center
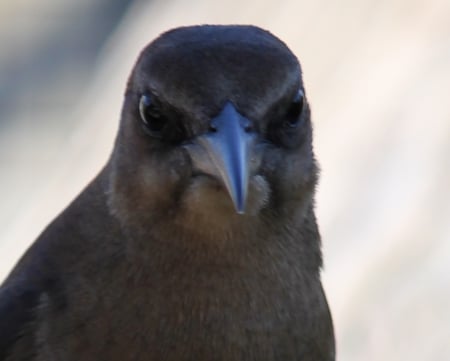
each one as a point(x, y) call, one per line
point(377, 75)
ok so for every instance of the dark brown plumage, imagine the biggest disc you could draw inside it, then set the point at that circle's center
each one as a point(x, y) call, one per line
point(198, 240)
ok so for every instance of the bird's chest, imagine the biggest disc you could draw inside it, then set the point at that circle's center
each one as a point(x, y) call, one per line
point(204, 316)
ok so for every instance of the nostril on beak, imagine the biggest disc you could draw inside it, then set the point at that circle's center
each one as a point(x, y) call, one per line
point(247, 125)
point(213, 127)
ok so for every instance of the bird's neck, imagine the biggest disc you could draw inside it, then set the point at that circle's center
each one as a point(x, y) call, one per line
point(243, 244)
point(159, 232)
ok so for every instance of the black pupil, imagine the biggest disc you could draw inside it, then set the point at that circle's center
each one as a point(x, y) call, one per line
point(294, 110)
point(151, 115)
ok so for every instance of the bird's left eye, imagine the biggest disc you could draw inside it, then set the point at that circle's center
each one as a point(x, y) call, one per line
point(151, 116)
point(288, 127)
point(293, 115)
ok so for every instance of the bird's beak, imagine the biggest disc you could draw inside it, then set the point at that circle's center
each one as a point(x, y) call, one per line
point(228, 145)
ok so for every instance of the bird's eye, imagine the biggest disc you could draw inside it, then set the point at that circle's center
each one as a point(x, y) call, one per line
point(151, 116)
point(293, 115)
point(288, 126)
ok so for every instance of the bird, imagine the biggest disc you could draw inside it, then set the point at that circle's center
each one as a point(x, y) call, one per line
point(198, 238)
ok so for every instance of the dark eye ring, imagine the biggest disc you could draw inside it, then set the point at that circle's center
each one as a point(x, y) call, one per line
point(151, 116)
point(294, 111)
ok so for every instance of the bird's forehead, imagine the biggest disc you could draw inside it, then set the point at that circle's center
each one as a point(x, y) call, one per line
point(207, 66)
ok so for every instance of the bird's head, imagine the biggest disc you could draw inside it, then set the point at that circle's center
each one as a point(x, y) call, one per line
point(215, 131)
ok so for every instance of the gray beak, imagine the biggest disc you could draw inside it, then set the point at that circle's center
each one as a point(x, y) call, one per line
point(229, 144)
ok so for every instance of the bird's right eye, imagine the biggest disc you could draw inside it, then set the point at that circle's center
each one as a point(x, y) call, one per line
point(153, 120)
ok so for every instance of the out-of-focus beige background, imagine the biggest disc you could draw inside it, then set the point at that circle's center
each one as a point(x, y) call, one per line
point(378, 77)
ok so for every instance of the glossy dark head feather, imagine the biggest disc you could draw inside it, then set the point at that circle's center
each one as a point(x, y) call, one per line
point(191, 74)
point(199, 68)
